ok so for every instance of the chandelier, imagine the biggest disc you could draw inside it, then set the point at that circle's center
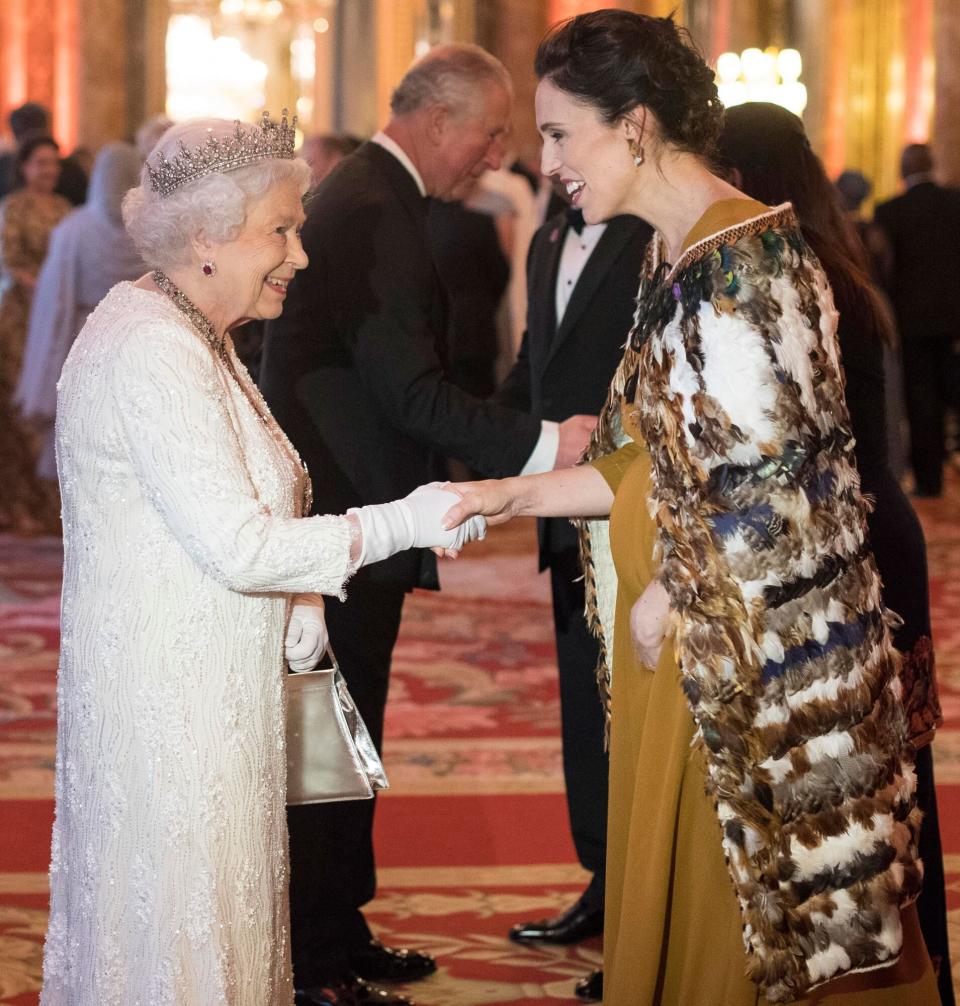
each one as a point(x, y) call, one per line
point(762, 75)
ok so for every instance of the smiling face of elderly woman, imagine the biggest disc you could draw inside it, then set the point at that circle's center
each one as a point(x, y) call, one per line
point(243, 225)
point(254, 269)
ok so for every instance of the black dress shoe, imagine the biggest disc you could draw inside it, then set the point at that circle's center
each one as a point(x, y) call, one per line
point(590, 989)
point(579, 922)
point(378, 963)
point(350, 991)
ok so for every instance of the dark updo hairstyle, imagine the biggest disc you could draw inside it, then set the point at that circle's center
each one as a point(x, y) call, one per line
point(616, 60)
point(27, 146)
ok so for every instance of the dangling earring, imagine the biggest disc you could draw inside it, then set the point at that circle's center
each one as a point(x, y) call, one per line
point(636, 146)
point(209, 268)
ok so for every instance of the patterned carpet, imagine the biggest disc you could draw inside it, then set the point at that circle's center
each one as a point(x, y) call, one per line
point(473, 834)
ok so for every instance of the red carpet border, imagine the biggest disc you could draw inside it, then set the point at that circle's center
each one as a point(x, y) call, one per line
point(473, 834)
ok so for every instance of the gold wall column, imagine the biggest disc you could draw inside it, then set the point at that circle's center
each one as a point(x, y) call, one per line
point(868, 91)
point(96, 64)
point(65, 72)
point(37, 44)
point(396, 37)
point(146, 62)
point(515, 30)
point(946, 130)
point(13, 53)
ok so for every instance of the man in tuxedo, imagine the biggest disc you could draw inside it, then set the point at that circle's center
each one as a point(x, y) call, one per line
point(582, 283)
point(922, 227)
point(353, 372)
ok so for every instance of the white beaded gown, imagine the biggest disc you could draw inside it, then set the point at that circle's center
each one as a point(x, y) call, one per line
point(182, 548)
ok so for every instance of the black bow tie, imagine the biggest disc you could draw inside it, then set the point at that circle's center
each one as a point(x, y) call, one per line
point(575, 218)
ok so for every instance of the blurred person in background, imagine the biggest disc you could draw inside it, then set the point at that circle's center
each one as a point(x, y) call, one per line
point(507, 195)
point(768, 151)
point(475, 272)
point(27, 217)
point(323, 153)
point(89, 253)
point(150, 132)
point(854, 188)
point(32, 118)
point(921, 227)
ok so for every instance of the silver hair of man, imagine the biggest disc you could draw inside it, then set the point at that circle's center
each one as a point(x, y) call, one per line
point(215, 206)
point(449, 75)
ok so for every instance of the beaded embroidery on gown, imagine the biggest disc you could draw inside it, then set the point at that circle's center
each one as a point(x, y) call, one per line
point(181, 549)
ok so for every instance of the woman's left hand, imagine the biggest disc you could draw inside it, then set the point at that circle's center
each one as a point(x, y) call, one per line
point(307, 636)
point(649, 621)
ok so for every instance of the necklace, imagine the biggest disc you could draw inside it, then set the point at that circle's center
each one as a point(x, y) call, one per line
point(218, 344)
point(195, 316)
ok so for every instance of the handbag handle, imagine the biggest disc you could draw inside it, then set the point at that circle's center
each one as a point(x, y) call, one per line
point(327, 652)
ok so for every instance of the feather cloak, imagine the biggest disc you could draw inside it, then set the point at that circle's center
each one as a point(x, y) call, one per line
point(733, 376)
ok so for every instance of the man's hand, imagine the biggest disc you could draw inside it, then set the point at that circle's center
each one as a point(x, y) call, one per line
point(574, 436)
point(649, 621)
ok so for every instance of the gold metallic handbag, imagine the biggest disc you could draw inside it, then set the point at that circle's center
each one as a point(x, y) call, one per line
point(330, 755)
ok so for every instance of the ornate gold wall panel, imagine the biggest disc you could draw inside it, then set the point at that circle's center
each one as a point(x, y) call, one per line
point(396, 38)
point(876, 106)
point(946, 134)
point(96, 64)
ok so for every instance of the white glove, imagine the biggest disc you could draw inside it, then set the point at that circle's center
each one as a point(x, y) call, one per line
point(414, 522)
point(307, 635)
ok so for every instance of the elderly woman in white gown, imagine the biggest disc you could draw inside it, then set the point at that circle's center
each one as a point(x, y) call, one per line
point(89, 252)
point(184, 542)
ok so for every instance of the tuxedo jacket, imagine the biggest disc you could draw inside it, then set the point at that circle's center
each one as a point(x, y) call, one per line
point(923, 228)
point(564, 370)
point(353, 370)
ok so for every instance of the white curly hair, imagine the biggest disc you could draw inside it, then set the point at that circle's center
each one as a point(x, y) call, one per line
point(215, 205)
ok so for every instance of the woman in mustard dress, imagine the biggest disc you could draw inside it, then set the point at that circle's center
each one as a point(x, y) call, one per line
point(762, 831)
point(27, 217)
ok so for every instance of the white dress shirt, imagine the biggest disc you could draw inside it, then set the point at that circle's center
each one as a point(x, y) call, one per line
point(577, 249)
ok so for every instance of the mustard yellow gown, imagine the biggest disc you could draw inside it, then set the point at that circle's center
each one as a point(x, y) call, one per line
point(673, 931)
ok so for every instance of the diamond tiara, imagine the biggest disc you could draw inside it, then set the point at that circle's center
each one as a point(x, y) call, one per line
point(267, 139)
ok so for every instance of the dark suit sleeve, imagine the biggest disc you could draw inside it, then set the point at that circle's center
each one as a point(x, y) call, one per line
point(383, 287)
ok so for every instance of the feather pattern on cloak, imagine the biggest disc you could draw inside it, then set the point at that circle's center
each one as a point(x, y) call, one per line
point(732, 374)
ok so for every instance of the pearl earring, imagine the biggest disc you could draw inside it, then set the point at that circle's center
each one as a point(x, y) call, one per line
point(639, 154)
point(209, 268)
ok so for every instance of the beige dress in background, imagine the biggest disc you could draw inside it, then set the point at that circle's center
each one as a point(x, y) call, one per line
point(26, 504)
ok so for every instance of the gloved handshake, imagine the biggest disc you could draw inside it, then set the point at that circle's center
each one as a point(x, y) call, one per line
point(387, 528)
point(414, 522)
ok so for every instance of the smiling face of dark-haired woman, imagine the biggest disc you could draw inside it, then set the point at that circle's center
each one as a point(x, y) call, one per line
point(591, 159)
point(613, 82)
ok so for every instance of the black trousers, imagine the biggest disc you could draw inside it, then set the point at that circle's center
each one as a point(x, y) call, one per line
point(585, 762)
point(929, 387)
point(332, 871)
